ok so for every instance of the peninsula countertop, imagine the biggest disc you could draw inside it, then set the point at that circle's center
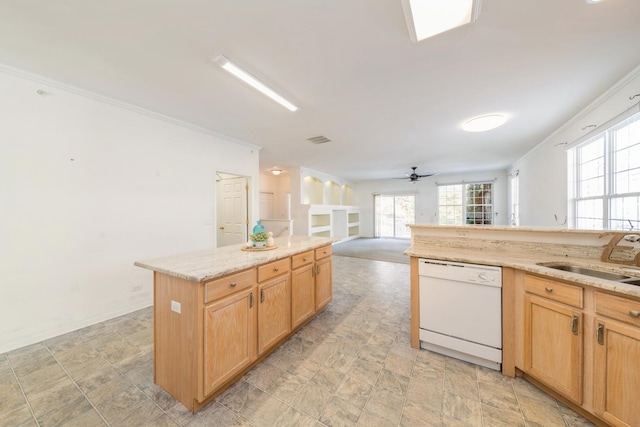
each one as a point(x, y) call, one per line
point(207, 264)
point(530, 262)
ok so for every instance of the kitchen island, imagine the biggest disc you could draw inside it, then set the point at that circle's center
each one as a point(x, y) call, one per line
point(218, 312)
point(574, 335)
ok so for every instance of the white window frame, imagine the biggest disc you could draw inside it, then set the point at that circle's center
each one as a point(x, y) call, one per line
point(609, 193)
point(377, 215)
point(463, 218)
point(514, 190)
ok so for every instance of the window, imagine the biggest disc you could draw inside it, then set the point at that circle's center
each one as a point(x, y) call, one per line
point(460, 204)
point(515, 199)
point(392, 214)
point(605, 178)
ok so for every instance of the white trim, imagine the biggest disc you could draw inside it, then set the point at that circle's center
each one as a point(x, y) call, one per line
point(635, 73)
point(111, 101)
point(634, 109)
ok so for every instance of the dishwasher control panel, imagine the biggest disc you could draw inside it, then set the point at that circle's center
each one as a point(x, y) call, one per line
point(458, 271)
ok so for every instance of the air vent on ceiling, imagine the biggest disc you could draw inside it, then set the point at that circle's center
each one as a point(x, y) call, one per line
point(319, 139)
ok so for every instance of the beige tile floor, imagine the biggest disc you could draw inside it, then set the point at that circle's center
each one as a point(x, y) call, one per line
point(352, 365)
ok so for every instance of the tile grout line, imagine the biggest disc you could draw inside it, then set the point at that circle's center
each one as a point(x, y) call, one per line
point(75, 383)
point(24, 395)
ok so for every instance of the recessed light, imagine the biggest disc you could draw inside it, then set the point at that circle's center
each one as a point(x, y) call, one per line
point(484, 123)
point(254, 82)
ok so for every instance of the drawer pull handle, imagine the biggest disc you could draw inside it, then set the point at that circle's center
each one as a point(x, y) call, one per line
point(276, 269)
point(634, 313)
point(304, 260)
point(548, 289)
point(233, 284)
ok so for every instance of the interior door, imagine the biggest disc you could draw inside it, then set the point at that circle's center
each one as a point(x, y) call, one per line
point(232, 212)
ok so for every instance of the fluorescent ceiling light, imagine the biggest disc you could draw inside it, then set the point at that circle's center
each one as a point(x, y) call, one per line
point(484, 123)
point(253, 82)
point(426, 18)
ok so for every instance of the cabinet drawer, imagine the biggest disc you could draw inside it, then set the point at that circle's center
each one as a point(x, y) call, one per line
point(301, 259)
point(227, 285)
point(273, 269)
point(323, 252)
point(615, 307)
point(556, 291)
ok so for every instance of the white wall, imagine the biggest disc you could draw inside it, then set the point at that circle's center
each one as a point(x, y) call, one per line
point(543, 171)
point(87, 188)
point(426, 194)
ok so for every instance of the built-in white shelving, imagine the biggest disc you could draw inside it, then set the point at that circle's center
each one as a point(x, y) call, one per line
point(326, 209)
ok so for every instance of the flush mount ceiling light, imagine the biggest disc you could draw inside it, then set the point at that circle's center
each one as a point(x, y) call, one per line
point(229, 66)
point(484, 123)
point(594, 1)
point(426, 18)
point(276, 171)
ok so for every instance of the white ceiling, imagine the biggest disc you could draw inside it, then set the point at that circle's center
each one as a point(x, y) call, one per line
point(386, 103)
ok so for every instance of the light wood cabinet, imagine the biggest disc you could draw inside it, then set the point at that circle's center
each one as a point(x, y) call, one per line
point(617, 360)
point(583, 344)
point(274, 312)
point(303, 288)
point(229, 338)
point(208, 334)
point(553, 345)
point(323, 273)
point(553, 337)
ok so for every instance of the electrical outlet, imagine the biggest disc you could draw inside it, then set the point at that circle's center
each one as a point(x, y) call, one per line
point(464, 234)
point(176, 307)
point(136, 288)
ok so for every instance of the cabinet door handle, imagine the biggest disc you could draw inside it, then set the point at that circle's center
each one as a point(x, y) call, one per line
point(313, 272)
point(634, 313)
point(600, 334)
point(548, 289)
point(233, 284)
point(251, 300)
point(574, 325)
point(318, 270)
point(261, 295)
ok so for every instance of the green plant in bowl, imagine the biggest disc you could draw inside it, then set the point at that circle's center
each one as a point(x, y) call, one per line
point(260, 236)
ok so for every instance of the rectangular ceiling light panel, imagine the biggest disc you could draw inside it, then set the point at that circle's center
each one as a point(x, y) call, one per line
point(426, 18)
point(232, 68)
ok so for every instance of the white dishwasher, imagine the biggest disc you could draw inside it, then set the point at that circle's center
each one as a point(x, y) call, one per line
point(461, 311)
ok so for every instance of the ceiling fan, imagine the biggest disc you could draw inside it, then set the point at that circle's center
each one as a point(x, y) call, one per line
point(414, 176)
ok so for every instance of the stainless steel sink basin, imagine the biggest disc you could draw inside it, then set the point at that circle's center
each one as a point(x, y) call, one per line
point(589, 272)
point(594, 273)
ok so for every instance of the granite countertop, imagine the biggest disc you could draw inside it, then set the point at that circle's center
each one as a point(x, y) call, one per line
point(529, 262)
point(207, 264)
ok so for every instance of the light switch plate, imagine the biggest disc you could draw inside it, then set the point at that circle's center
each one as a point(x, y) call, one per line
point(176, 307)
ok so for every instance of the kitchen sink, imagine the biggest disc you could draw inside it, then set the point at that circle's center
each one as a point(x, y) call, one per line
point(594, 273)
